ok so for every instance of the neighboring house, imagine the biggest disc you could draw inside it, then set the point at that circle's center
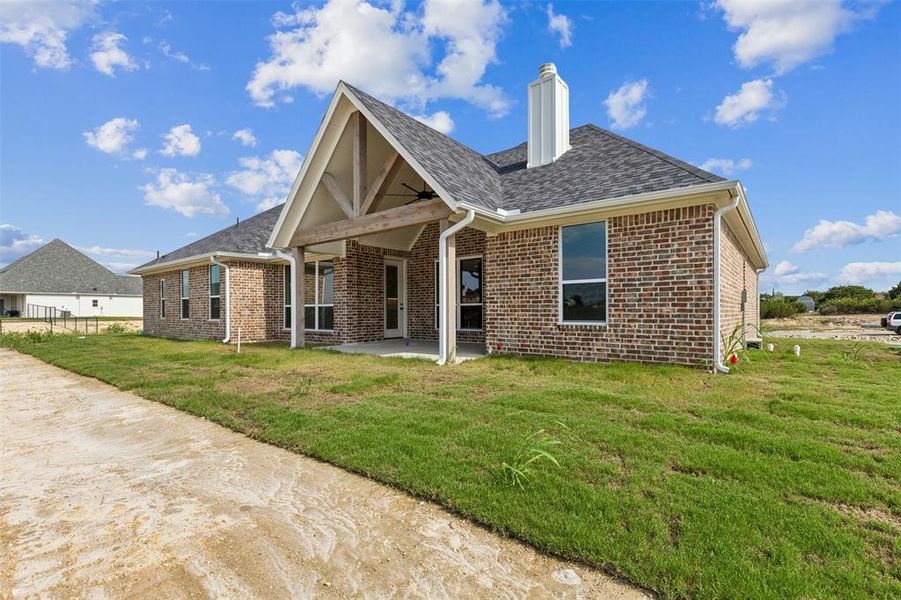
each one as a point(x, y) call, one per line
point(59, 276)
point(577, 243)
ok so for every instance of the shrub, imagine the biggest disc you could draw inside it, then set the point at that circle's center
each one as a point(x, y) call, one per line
point(895, 292)
point(115, 328)
point(853, 306)
point(848, 291)
point(776, 308)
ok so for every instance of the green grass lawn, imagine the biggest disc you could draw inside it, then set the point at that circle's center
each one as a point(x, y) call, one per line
point(782, 479)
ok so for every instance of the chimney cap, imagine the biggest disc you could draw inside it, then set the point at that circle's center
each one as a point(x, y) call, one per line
point(547, 69)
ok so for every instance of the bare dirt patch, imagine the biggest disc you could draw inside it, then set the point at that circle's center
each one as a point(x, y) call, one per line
point(21, 326)
point(105, 494)
point(863, 328)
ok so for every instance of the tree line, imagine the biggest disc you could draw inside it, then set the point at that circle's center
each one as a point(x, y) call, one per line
point(837, 300)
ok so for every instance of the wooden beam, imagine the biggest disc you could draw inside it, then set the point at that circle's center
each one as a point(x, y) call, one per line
point(417, 213)
point(359, 161)
point(382, 181)
point(331, 184)
point(298, 298)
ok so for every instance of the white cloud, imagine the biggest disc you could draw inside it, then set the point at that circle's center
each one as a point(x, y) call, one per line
point(15, 243)
point(41, 28)
point(120, 260)
point(838, 234)
point(877, 274)
point(186, 195)
point(625, 106)
point(744, 106)
point(789, 274)
point(114, 136)
point(246, 137)
point(168, 52)
point(119, 267)
point(267, 179)
point(139, 154)
point(440, 121)
point(385, 50)
point(726, 166)
point(560, 25)
point(785, 268)
point(107, 54)
point(117, 252)
point(181, 141)
point(789, 33)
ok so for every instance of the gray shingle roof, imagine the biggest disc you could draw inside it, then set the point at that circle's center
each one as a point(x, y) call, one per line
point(247, 237)
point(58, 268)
point(600, 165)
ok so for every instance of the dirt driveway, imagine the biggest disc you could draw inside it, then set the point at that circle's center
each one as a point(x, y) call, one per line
point(104, 494)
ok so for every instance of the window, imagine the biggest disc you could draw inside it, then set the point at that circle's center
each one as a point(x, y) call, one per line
point(286, 286)
point(162, 298)
point(319, 295)
point(469, 293)
point(185, 292)
point(583, 273)
point(95, 303)
point(215, 280)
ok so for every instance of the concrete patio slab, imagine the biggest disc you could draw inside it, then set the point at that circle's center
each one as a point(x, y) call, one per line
point(410, 349)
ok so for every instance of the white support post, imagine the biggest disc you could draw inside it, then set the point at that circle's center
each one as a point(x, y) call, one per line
point(297, 302)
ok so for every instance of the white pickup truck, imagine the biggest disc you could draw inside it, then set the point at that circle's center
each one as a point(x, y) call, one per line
point(892, 321)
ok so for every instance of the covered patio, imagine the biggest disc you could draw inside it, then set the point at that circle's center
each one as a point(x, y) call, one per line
point(372, 242)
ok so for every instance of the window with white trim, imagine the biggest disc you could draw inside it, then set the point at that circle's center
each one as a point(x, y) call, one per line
point(162, 298)
point(319, 295)
point(288, 304)
point(215, 289)
point(583, 273)
point(470, 308)
point(185, 293)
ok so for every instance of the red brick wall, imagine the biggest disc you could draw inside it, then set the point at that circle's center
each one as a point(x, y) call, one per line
point(199, 325)
point(736, 274)
point(257, 300)
point(659, 283)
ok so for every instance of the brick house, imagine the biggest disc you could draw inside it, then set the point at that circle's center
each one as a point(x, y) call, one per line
point(578, 243)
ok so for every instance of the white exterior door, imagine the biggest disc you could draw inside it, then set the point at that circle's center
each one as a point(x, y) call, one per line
point(395, 297)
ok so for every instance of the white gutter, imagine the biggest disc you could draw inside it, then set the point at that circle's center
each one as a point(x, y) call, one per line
point(443, 350)
point(294, 276)
point(228, 300)
point(198, 258)
point(717, 232)
point(588, 207)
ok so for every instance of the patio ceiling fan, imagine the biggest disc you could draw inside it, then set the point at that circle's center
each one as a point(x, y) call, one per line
point(417, 195)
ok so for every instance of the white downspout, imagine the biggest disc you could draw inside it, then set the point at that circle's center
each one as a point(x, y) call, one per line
point(717, 232)
point(759, 271)
point(228, 301)
point(442, 283)
point(290, 259)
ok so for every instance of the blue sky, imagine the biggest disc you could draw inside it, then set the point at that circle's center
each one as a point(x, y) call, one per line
point(119, 120)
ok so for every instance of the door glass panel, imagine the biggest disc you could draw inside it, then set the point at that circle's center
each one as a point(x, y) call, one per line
point(392, 312)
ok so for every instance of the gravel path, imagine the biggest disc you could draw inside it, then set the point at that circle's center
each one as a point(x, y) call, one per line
point(104, 494)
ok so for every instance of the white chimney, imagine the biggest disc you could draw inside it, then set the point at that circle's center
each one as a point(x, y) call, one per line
point(548, 117)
